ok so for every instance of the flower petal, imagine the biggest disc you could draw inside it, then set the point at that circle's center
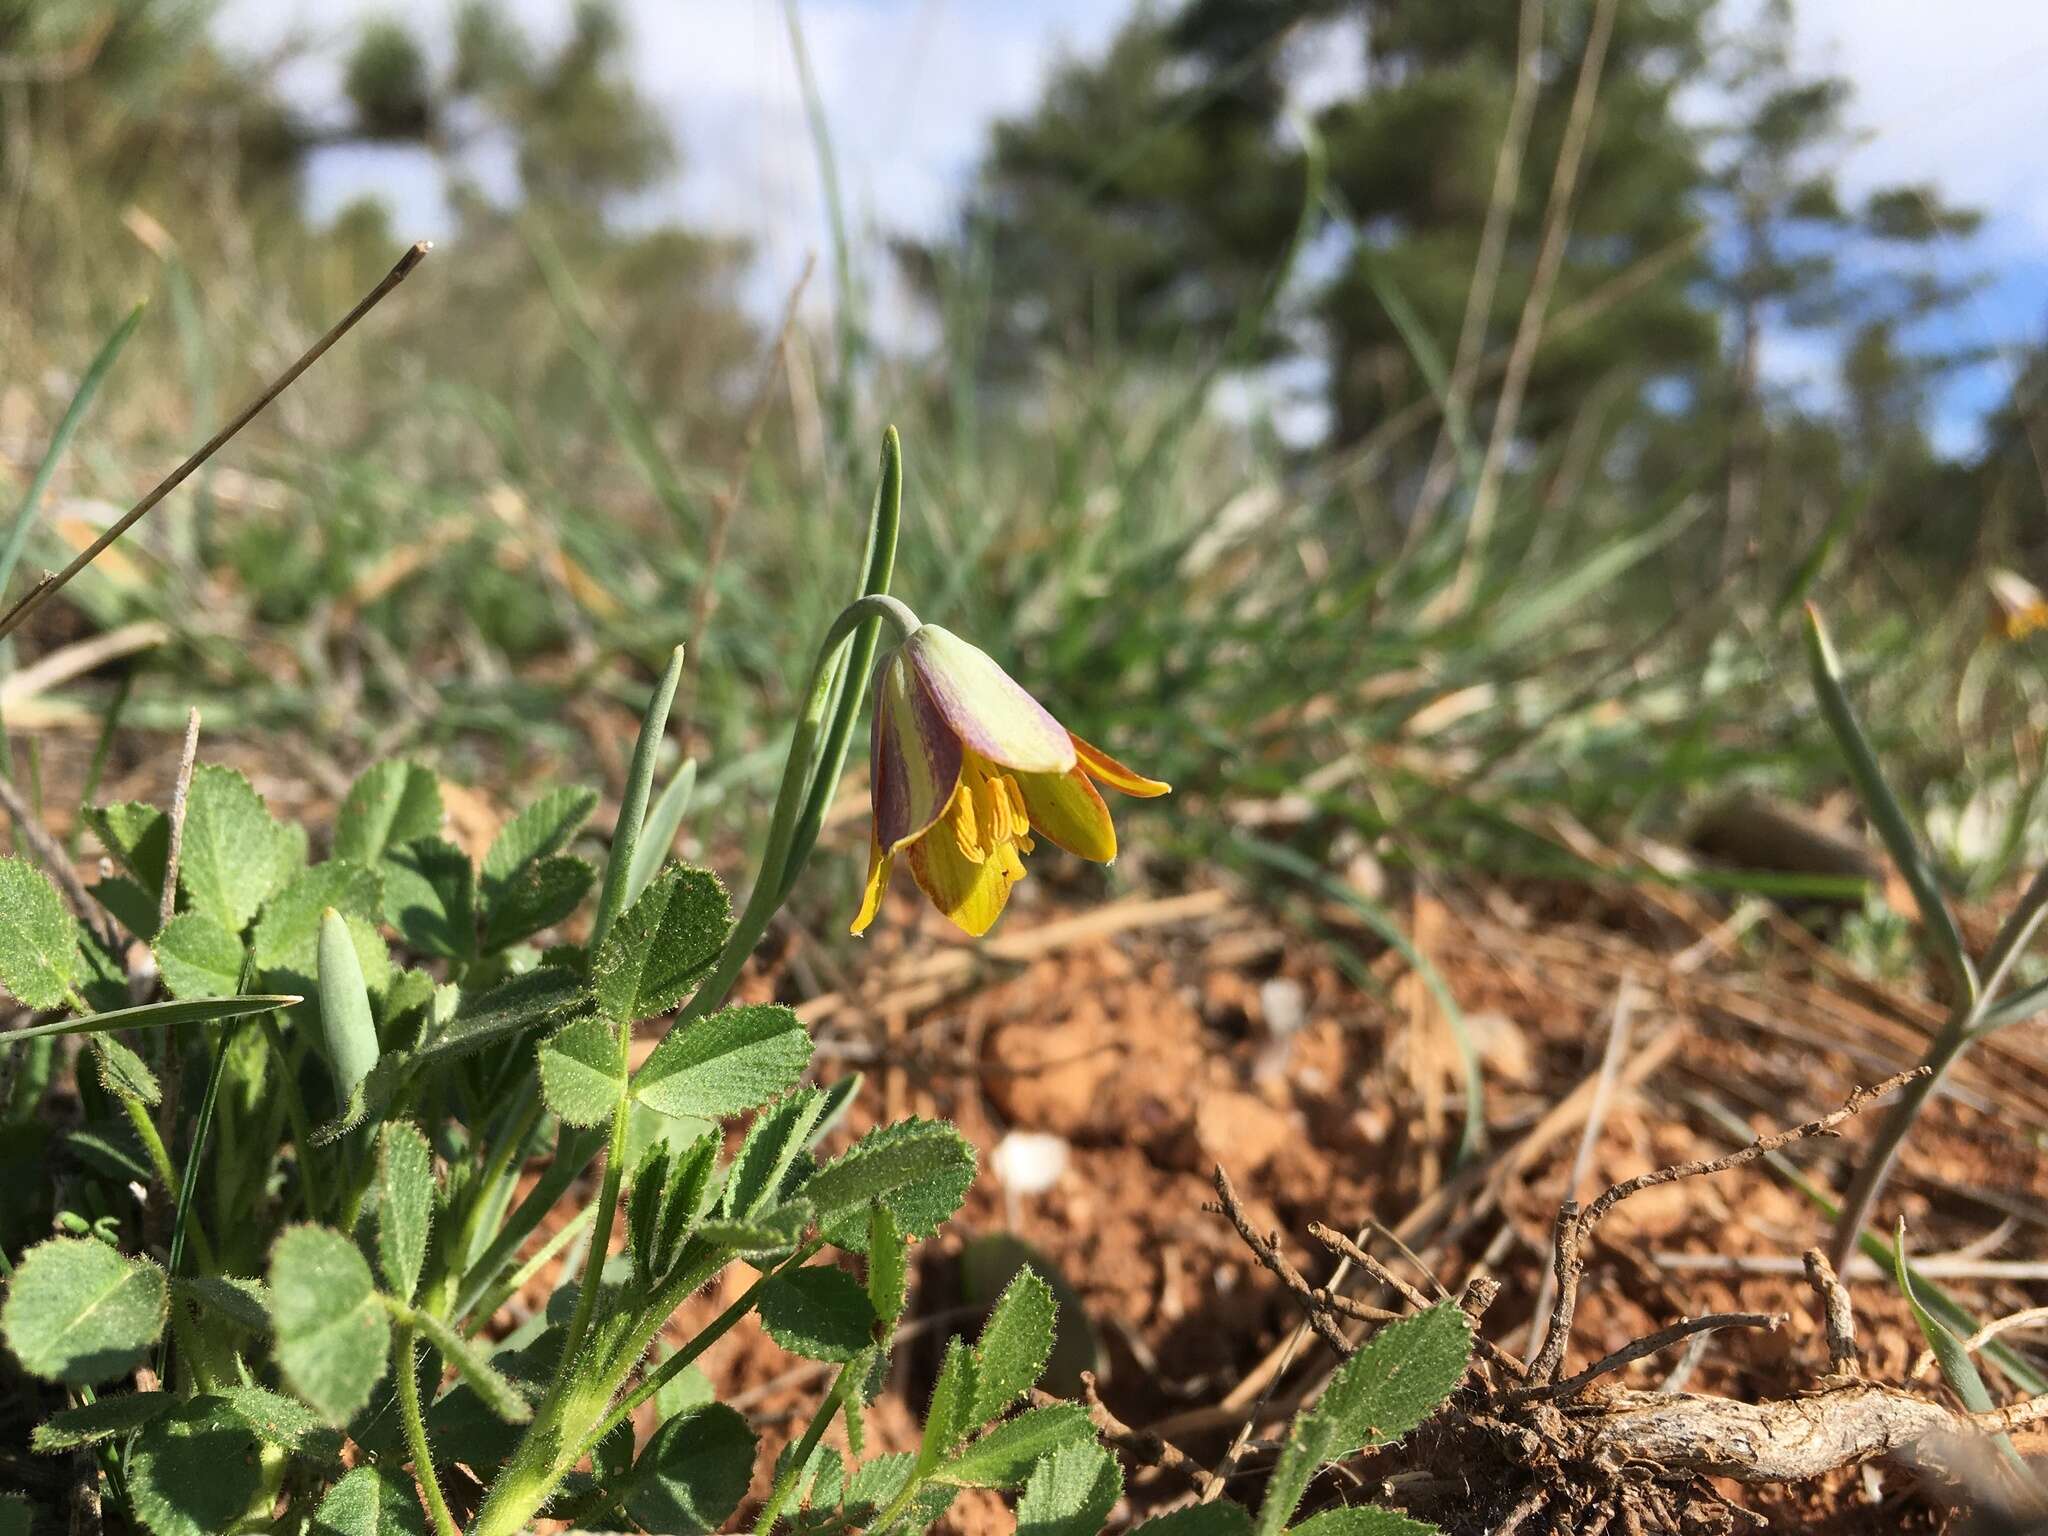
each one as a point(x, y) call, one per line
point(971, 894)
point(913, 757)
point(1067, 808)
point(1102, 766)
point(984, 705)
point(880, 865)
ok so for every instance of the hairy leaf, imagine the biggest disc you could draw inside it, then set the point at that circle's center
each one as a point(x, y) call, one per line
point(287, 936)
point(195, 1470)
point(405, 1205)
point(1014, 1346)
point(234, 854)
point(393, 803)
point(583, 1071)
point(1070, 1492)
point(920, 1169)
point(369, 1501)
point(723, 1065)
point(888, 1265)
point(498, 1394)
point(123, 1073)
point(538, 896)
point(1220, 1518)
point(543, 828)
point(80, 1313)
point(90, 1423)
point(516, 1007)
point(819, 1312)
point(198, 958)
point(430, 897)
point(1363, 1520)
point(138, 838)
point(774, 1142)
point(332, 1332)
point(1004, 1456)
point(662, 945)
point(693, 1473)
point(39, 959)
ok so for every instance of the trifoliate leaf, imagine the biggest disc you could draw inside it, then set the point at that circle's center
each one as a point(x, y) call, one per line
point(198, 958)
point(731, 1062)
point(819, 1312)
point(369, 1501)
point(392, 804)
point(1004, 1456)
point(234, 854)
point(1014, 1346)
point(693, 1473)
point(282, 1421)
point(103, 1419)
point(237, 1300)
point(405, 1205)
point(38, 943)
point(332, 1332)
point(80, 1313)
point(583, 1071)
point(662, 945)
point(195, 1470)
point(1070, 1492)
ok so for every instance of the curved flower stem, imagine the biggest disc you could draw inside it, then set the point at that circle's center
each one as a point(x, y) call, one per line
point(416, 1434)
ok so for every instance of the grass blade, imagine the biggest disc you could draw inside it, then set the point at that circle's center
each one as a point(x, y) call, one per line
point(618, 869)
point(81, 401)
point(1883, 808)
point(199, 1010)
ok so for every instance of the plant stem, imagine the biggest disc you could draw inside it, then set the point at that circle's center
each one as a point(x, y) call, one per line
point(295, 1110)
point(601, 1230)
point(416, 1434)
point(785, 1485)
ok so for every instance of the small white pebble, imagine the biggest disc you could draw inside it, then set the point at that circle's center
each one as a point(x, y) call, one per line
point(1030, 1162)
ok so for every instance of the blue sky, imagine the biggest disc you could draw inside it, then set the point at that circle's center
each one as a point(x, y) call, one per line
point(1948, 94)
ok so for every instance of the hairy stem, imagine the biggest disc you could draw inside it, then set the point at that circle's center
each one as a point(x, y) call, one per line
point(416, 1434)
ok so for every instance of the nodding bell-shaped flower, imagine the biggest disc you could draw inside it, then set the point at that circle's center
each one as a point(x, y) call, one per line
point(966, 767)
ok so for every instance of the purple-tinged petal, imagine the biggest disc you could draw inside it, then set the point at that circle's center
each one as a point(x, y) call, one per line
point(986, 708)
point(913, 758)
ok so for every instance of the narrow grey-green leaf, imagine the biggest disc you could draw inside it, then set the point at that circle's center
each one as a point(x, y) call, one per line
point(103, 1419)
point(1070, 1492)
point(405, 1205)
point(489, 1384)
point(38, 944)
point(693, 1473)
point(734, 1060)
point(658, 833)
point(1957, 1368)
point(1015, 1345)
point(430, 897)
point(662, 945)
point(208, 1010)
point(348, 1029)
point(393, 803)
point(539, 896)
point(920, 1169)
point(332, 1332)
point(819, 1312)
point(369, 1501)
point(582, 1070)
point(1004, 1456)
point(234, 854)
point(287, 936)
point(543, 828)
point(195, 1470)
point(198, 958)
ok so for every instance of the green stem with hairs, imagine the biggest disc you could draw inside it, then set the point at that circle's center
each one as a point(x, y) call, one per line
point(416, 1434)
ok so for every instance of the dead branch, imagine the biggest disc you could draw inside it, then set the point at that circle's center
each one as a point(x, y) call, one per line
point(1838, 1315)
